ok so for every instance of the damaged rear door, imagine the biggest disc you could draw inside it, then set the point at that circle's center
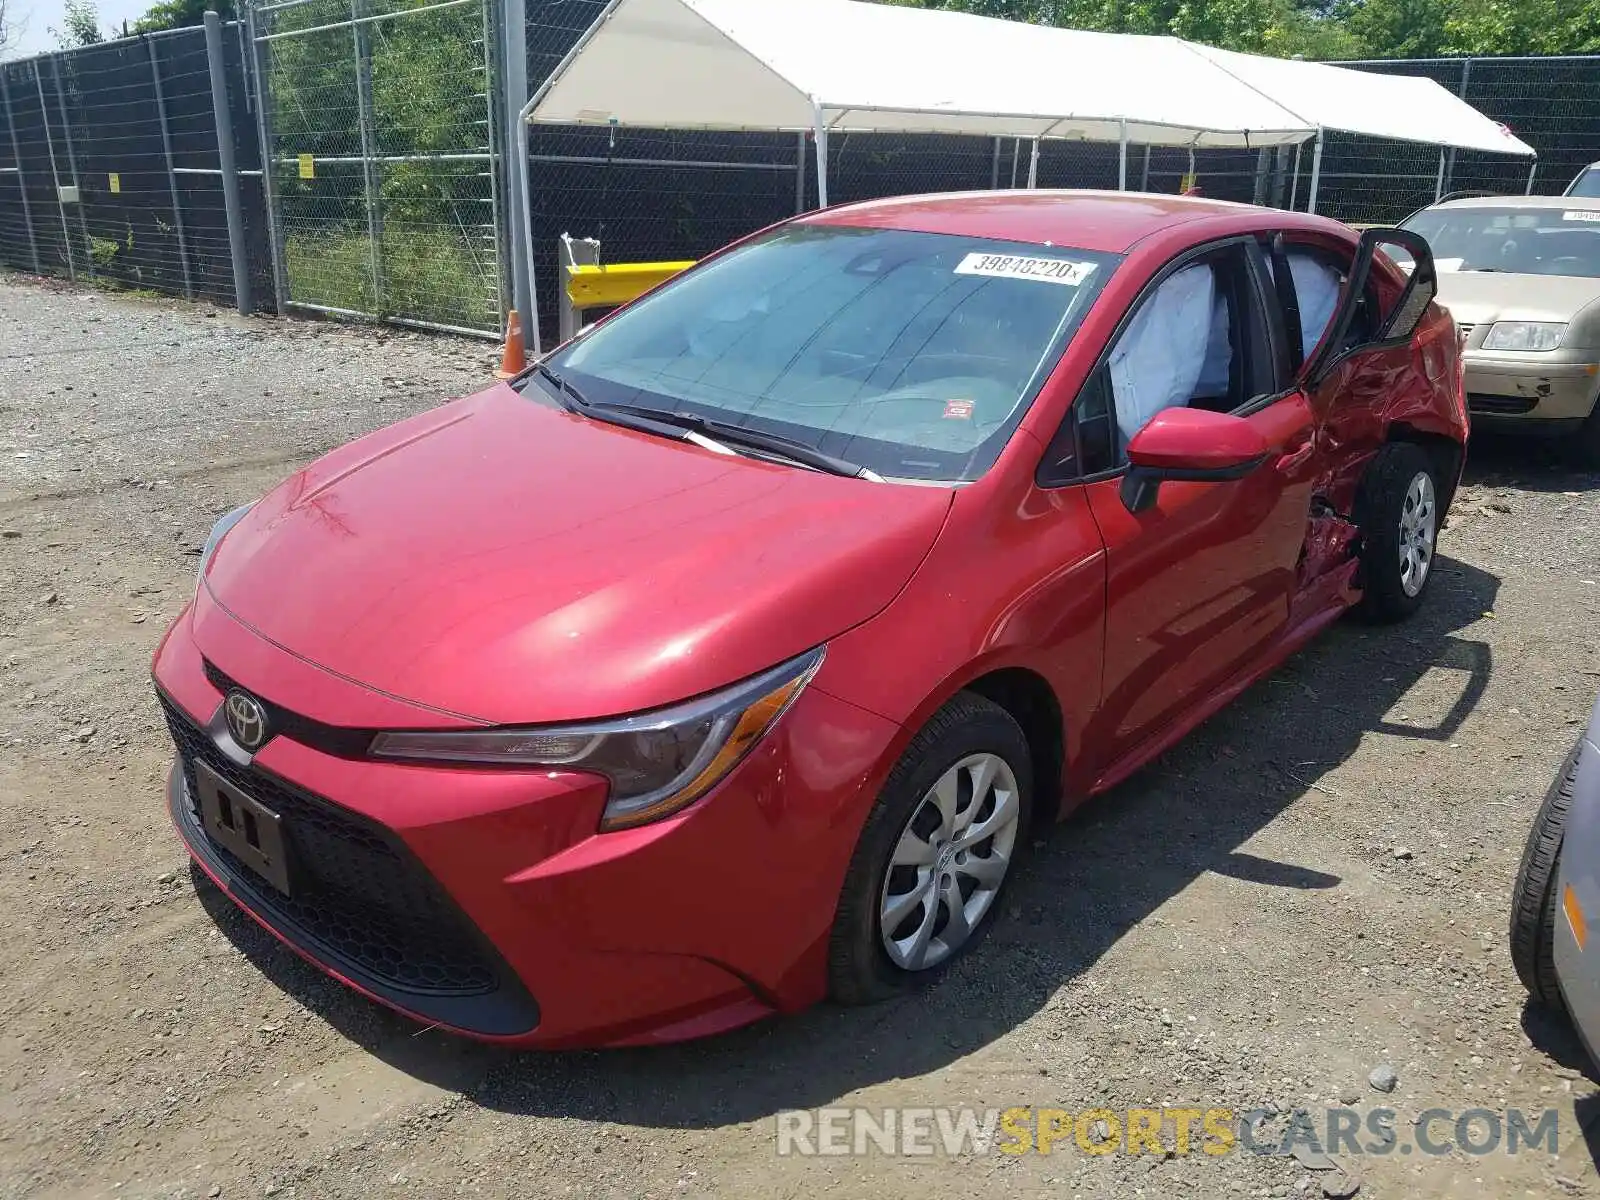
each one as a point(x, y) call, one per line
point(1347, 324)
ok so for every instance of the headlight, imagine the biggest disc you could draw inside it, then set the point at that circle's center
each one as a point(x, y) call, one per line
point(217, 531)
point(1524, 335)
point(657, 762)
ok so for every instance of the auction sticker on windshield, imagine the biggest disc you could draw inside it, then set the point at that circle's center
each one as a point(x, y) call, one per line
point(1581, 215)
point(1041, 270)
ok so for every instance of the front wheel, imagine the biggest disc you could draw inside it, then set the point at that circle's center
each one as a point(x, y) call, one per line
point(1397, 511)
point(935, 854)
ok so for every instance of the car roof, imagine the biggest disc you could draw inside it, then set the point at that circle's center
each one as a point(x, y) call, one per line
point(1579, 203)
point(1109, 222)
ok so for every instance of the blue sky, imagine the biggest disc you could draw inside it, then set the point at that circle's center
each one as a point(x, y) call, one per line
point(36, 16)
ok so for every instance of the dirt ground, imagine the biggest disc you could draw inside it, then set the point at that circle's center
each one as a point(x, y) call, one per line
point(1312, 885)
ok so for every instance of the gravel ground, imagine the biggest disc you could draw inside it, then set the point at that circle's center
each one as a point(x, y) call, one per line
point(1313, 885)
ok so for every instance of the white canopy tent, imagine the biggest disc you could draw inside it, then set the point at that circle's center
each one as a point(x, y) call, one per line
point(846, 66)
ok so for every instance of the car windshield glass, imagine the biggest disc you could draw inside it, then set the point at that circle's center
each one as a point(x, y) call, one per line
point(912, 354)
point(1521, 241)
point(1587, 184)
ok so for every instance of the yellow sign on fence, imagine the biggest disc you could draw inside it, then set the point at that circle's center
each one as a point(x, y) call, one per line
point(308, 167)
point(116, 181)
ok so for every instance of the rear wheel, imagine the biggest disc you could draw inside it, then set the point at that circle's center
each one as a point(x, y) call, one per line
point(935, 854)
point(1397, 511)
point(1533, 900)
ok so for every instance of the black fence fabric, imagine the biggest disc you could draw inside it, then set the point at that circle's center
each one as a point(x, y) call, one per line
point(114, 147)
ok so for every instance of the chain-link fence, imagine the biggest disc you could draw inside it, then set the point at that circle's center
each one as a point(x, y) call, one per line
point(110, 165)
point(379, 119)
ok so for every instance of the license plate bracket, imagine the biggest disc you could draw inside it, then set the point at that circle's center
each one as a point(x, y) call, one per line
point(245, 827)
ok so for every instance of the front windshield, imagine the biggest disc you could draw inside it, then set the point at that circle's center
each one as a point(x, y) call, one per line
point(1587, 184)
point(1522, 241)
point(912, 354)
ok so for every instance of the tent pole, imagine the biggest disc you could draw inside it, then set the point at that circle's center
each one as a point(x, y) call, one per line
point(1294, 184)
point(1438, 184)
point(1122, 157)
point(800, 174)
point(1033, 165)
point(1533, 169)
point(820, 129)
point(530, 319)
point(994, 168)
point(1316, 172)
point(1144, 175)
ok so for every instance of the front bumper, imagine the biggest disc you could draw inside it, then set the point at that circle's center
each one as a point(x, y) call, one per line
point(1529, 390)
point(483, 900)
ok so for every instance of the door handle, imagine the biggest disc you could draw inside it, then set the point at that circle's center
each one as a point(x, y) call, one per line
point(1295, 459)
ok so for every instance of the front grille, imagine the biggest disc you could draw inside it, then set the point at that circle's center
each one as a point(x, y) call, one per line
point(1480, 402)
point(361, 900)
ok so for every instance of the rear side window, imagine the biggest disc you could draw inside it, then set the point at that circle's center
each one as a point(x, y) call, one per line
point(1319, 276)
point(1316, 287)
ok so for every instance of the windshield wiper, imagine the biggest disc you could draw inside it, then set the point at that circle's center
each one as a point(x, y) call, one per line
point(682, 425)
point(640, 420)
point(563, 388)
point(753, 439)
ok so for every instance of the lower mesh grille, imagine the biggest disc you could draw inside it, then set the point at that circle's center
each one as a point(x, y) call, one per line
point(1479, 402)
point(359, 899)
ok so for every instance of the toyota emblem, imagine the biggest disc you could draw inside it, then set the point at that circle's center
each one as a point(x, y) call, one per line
point(247, 720)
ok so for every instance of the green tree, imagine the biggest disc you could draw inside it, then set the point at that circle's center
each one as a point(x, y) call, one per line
point(1282, 27)
point(1531, 27)
point(80, 25)
point(180, 14)
point(1397, 28)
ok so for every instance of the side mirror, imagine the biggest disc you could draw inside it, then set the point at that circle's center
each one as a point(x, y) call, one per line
point(1189, 445)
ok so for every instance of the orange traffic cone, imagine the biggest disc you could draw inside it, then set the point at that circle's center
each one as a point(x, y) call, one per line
point(514, 358)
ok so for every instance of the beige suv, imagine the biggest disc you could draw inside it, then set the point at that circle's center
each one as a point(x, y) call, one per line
point(1521, 276)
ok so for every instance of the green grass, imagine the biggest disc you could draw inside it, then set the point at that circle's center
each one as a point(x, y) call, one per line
point(428, 275)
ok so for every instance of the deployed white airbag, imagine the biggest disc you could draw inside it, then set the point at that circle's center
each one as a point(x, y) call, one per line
point(1161, 355)
point(1316, 286)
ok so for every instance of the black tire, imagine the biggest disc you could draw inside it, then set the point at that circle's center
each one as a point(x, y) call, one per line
point(1584, 449)
point(859, 968)
point(1379, 501)
point(1533, 900)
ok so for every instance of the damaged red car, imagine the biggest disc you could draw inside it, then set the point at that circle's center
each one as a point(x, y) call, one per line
point(720, 663)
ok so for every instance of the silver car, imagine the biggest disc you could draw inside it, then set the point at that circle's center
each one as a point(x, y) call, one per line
point(1558, 893)
point(1521, 276)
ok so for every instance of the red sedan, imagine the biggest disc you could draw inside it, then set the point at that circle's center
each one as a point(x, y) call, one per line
point(720, 663)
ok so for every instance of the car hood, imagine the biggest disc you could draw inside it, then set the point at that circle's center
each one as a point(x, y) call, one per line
point(1479, 297)
point(512, 563)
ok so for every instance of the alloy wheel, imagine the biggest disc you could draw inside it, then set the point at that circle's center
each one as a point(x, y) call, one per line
point(949, 863)
point(1418, 527)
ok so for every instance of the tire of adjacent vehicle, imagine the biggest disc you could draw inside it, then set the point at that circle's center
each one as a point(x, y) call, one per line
point(1379, 500)
point(1584, 450)
point(1533, 900)
point(859, 970)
